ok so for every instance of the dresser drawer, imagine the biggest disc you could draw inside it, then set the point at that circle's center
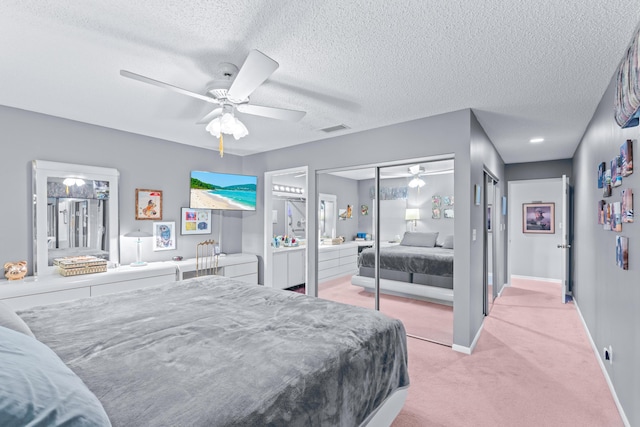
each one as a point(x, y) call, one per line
point(240, 269)
point(45, 298)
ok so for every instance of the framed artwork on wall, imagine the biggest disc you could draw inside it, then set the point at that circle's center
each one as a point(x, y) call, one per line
point(148, 204)
point(164, 236)
point(198, 221)
point(538, 218)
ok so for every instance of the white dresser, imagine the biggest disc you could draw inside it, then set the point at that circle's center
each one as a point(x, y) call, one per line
point(337, 260)
point(52, 288)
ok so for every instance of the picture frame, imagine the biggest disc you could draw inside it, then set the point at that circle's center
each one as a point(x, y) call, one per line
point(164, 235)
point(622, 252)
point(197, 221)
point(538, 218)
point(148, 204)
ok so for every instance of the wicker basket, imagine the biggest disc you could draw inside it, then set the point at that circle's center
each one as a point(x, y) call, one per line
point(74, 266)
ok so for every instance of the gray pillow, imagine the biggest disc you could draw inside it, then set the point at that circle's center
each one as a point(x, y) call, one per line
point(425, 240)
point(9, 319)
point(37, 388)
point(447, 242)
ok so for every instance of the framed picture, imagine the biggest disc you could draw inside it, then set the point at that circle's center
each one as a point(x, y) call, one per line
point(622, 252)
point(602, 167)
point(448, 213)
point(198, 221)
point(148, 204)
point(164, 236)
point(626, 157)
point(538, 218)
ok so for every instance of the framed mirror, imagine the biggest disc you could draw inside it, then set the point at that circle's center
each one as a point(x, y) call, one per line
point(75, 212)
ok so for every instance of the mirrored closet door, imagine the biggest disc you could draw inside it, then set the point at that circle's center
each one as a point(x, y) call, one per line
point(394, 220)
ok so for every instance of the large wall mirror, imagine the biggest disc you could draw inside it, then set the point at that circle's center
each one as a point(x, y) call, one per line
point(75, 213)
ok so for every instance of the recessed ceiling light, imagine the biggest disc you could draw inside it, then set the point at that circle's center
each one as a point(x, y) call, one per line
point(536, 140)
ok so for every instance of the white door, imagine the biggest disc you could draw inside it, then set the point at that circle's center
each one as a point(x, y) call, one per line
point(565, 246)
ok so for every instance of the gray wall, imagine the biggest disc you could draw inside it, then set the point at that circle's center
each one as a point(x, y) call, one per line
point(608, 297)
point(535, 255)
point(143, 162)
point(538, 170)
point(440, 135)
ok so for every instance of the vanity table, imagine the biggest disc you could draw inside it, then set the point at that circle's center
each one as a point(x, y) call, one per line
point(288, 266)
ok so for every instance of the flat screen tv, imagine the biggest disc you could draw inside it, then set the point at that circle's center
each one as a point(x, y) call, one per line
point(223, 191)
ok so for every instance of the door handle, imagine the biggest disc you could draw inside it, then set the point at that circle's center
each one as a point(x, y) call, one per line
point(564, 246)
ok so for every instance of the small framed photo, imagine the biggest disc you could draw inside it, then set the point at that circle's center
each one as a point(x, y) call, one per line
point(538, 218)
point(196, 221)
point(148, 204)
point(164, 236)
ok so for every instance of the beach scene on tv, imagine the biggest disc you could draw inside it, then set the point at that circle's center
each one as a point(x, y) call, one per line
point(212, 190)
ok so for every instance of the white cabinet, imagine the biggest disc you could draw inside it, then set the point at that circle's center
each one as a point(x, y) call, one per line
point(337, 260)
point(288, 267)
point(52, 288)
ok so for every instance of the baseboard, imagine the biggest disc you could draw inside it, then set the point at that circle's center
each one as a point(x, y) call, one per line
point(625, 420)
point(541, 279)
point(468, 350)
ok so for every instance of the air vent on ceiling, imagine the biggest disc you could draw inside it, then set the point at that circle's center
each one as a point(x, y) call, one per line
point(335, 128)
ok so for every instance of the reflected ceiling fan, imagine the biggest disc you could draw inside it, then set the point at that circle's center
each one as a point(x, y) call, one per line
point(230, 92)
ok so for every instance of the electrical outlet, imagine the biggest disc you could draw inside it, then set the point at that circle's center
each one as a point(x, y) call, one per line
point(607, 354)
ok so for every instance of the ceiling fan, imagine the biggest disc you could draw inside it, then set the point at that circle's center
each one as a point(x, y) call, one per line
point(230, 91)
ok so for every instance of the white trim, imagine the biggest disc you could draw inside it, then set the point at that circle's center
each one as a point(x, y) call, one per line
point(469, 350)
point(384, 414)
point(625, 420)
point(540, 279)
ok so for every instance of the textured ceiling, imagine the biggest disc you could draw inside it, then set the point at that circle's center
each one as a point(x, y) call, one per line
point(527, 68)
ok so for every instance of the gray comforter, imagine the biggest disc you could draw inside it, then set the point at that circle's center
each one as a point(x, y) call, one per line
point(411, 259)
point(218, 352)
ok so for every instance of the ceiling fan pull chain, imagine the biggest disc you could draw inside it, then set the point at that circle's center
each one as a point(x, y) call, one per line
point(221, 146)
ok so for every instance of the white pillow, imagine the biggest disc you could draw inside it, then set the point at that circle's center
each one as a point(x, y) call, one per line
point(9, 319)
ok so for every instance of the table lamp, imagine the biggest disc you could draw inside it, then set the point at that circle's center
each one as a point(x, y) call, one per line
point(139, 234)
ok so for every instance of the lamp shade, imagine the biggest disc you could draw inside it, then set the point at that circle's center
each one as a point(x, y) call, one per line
point(412, 214)
point(138, 233)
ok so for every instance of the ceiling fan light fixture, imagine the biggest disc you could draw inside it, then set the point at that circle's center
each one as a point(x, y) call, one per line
point(416, 182)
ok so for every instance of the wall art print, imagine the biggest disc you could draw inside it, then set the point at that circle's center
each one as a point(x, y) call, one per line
point(538, 218)
point(622, 252)
point(627, 205)
point(164, 236)
point(148, 204)
point(626, 158)
point(196, 221)
point(602, 167)
point(389, 193)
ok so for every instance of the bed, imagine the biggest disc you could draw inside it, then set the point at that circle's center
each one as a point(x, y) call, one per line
point(419, 267)
point(217, 352)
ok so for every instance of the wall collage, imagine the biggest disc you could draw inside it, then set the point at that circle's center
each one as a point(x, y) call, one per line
point(613, 214)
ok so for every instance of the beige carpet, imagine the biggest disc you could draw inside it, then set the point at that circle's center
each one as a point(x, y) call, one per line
point(420, 318)
point(533, 366)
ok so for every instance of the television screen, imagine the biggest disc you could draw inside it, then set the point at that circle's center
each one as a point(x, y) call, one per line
point(224, 191)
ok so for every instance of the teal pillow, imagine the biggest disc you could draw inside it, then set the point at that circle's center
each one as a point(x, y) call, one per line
point(38, 389)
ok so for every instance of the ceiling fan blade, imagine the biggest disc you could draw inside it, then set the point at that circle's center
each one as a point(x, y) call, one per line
point(256, 69)
point(163, 85)
point(212, 115)
point(271, 112)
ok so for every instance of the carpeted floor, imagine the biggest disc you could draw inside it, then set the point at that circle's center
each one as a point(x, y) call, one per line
point(420, 318)
point(533, 366)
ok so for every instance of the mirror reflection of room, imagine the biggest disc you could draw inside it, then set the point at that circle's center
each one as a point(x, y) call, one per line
point(416, 220)
point(77, 220)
